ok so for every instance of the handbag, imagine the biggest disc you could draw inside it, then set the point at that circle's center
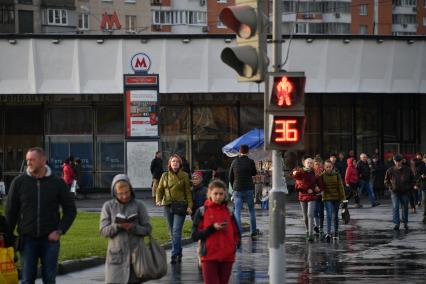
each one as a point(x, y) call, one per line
point(149, 260)
point(346, 216)
point(8, 270)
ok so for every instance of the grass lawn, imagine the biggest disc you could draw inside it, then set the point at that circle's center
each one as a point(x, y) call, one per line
point(83, 239)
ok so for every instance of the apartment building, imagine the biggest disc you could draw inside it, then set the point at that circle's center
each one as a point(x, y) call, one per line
point(364, 17)
point(180, 16)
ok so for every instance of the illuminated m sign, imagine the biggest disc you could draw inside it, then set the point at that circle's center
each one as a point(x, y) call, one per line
point(109, 21)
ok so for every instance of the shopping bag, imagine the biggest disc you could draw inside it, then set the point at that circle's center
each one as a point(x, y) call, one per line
point(2, 189)
point(149, 260)
point(346, 216)
point(8, 270)
point(74, 186)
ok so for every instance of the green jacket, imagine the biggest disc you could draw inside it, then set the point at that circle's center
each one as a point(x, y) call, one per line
point(175, 184)
point(332, 187)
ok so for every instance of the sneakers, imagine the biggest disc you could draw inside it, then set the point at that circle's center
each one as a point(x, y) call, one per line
point(328, 237)
point(316, 230)
point(357, 206)
point(174, 260)
point(255, 233)
point(336, 236)
point(375, 204)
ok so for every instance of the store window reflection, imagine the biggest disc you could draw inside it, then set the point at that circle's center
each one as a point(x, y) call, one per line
point(70, 121)
point(23, 130)
point(250, 117)
point(337, 123)
point(174, 129)
point(214, 127)
point(312, 138)
point(367, 118)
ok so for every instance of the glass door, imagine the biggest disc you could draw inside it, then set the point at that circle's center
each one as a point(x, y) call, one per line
point(60, 147)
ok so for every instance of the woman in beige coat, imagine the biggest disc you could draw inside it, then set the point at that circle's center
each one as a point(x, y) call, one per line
point(124, 234)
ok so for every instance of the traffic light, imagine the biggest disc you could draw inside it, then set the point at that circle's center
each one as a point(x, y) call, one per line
point(249, 23)
point(284, 111)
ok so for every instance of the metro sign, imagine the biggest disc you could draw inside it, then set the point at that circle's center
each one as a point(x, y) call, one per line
point(140, 63)
point(109, 21)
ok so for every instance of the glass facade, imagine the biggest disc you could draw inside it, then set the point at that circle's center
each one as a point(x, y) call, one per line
point(197, 126)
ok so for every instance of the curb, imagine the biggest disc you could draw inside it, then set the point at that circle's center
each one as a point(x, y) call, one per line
point(70, 266)
point(74, 265)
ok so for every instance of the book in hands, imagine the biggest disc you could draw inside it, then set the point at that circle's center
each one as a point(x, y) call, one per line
point(121, 218)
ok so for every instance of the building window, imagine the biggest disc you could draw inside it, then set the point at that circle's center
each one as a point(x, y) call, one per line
point(7, 14)
point(363, 29)
point(300, 28)
point(83, 21)
point(57, 17)
point(130, 23)
point(220, 24)
point(179, 17)
point(222, 1)
point(130, 1)
point(363, 10)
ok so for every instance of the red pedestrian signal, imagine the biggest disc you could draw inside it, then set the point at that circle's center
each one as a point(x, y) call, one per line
point(284, 109)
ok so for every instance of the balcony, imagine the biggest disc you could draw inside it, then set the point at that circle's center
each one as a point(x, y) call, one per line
point(337, 18)
point(411, 28)
point(404, 10)
point(69, 4)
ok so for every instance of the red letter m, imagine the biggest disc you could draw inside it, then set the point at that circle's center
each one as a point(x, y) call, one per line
point(108, 21)
point(140, 63)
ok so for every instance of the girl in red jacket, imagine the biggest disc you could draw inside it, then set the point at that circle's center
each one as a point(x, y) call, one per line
point(216, 227)
point(351, 181)
point(306, 184)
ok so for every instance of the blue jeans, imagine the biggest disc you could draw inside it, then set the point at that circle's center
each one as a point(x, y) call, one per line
point(366, 186)
point(43, 249)
point(399, 199)
point(239, 198)
point(175, 223)
point(332, 209)
point(319, 213)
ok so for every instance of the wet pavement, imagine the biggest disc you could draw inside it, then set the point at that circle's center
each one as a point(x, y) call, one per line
point(368, 251)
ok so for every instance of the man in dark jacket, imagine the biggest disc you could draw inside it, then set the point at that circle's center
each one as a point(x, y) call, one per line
point(156, 171)
point(364, 170)
point(33, 204)
point(341, 165)
point(421, 184)
point(399, 179)
point(241, 178)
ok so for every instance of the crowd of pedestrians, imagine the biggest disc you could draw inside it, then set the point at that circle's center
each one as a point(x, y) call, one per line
point(330, 185)
point(40, 205)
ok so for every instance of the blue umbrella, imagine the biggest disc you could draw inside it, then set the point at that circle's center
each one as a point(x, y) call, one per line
point(253, 139)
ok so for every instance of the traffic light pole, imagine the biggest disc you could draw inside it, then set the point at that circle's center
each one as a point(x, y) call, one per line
point(277, 255)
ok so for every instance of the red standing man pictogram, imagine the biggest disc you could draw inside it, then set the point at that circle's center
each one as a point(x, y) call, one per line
point(284, 89)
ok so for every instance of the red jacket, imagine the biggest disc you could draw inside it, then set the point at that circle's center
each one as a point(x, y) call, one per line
point(351, 176)
point(68, 174)
point(305, 180)
point(216, 245)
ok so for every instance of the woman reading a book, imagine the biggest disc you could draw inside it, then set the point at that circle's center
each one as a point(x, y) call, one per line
point(124, 220)
point(174, 193)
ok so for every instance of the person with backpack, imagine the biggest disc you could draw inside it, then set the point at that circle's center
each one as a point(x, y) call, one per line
point(217, 229)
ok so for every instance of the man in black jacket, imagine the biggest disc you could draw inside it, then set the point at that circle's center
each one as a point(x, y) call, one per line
point(241, 178)
point(364, 170)
point(421, 184)
point(399, 179)
point(33, 205)
point(156, 171)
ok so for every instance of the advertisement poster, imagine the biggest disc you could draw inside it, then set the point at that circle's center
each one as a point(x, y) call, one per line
point(142, 113)
point(139, 156)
